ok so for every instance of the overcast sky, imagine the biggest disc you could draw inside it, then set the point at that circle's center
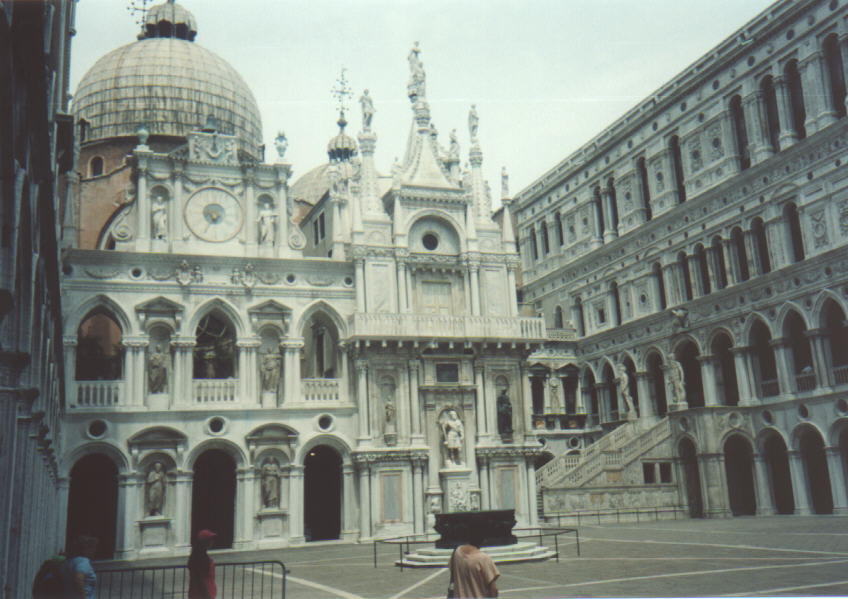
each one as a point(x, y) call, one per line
point(546, 75)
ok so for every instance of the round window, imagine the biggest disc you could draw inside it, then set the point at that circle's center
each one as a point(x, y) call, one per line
point(216, 425)
point(430, 241)
point(325, 422)
point(97, 429)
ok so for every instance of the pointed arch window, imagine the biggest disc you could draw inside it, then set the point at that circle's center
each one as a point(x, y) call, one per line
point(771, 114)
point(546, 246)
point(737, 240)
point(685, 275)
point(740, 134)
point(796, 98)
point(534, 248)
point(642, 170)
point(833, 64)
point(677, 167)
point(758, 230)
point(793, 231)
point(703, 269)
point(656, 269)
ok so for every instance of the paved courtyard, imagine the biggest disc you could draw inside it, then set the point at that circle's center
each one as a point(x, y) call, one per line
point(775, 556)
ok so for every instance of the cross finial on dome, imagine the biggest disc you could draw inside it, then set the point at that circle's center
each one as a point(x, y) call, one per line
point(342, 92)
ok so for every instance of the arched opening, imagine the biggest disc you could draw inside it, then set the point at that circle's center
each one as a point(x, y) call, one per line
point(95, 166)
point(725, 370)
point(685, 275)
point(836, 332)
point(737, 240)
point(93, 502)
point(796, 98)
point(780, 479)
point(758, 230)
point(601, 226)
point(692, 476)
point(546, 246)
point(560, 234)
point(537, 389)
point(616, 303)
point(687, 354)
point(612, 394)
point(717, 249)
point(770, 104)
point(815, 466)
point(534, 248)
point(321, 357)
point(843, 451)
point(579, 317)
point(700, 256)
point(558, 320)
point(677, 168)
point(662, 300)
point(794, 235)
point(613, 204)
point(799, 347)
point(740, 134)
point(765, 367)
point(590, 396)
point(100, 355)
point(213, 496)
point(544, 458)
point(739, 469)
point(642, 170)
point(833, 65)
point(322, 494)
point(656, 383)
point(215, 348)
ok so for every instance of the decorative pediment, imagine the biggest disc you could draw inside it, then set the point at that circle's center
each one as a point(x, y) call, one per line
point(274, 436)
point(270, 313)
point(159, 309)
point(160, 440)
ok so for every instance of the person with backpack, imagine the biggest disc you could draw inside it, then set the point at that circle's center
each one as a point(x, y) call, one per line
point(48, 581)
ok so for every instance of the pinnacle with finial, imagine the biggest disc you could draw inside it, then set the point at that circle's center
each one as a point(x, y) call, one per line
point(342, 91)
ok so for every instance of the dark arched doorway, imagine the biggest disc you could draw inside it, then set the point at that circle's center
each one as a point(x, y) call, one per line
point(93, 502)
point(213, 496)
point(818, 477)
point(739, 469)
point(777, 461)
point(322, 494)
point(692, 476)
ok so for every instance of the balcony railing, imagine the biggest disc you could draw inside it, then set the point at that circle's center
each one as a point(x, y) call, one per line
point(840, 375)
point(214, 390)
point(99, 394)
point(394, 325)
point(562, 334)
point(320, 389)
point(805, 381)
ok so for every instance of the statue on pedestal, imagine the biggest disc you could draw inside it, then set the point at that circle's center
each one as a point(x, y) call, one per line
point(270, 370)
point(675, 382)
point(453, 433)
point(623, 381)
point(281, 143)
point(160, 217)
point(271, 483)
point(368, 110)
point(417, 77)
point(266, 221)
point(155, 492)
point(473, 123)
point(157, 369)
point(504, 413)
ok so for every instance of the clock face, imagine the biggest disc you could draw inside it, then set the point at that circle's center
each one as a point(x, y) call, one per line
point(213, 214)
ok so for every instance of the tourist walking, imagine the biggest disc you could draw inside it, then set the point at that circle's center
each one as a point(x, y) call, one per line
point(201, 568)
point(78, 577)
point(473, 573)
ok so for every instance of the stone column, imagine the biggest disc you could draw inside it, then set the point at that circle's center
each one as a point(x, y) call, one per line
point(485, 485)
point(788, 137)
point(70, 346)
point(182, 513)
point(730, 262)
point(817, 87)
point(362, 402)
point(843, 51)
point(415, 402)
point(282, 206)
point(296, 504)
point(836, 469)
point(364, 502)
point(799, 483)
point(349, 501)
point(250, 221)
point(579, 399)
point(713, 483)
point(142, 202)
point(526, 400)
point(765, 502)
point(402, 296)
point(818, 340)
point(129, 512)
point(752, 253)
point(597, 239)
point(418, 496)
point(753, 109)
point(359, 266)
point(474, 268)
point(785, 370)
point(135, 371)
point(611, 232)
point(291, 369)
point(671, 278)
point(708, 381)
point(466, 282)
point(744, 380)
point(245, 506)
point(776, 238)
point(512, 302)
point(546, 394)
point(647, 413)
point(480, 404)
point(249, 375)
point(602, 393)
point(533, 514)
point(695, 276)
point(183, 375)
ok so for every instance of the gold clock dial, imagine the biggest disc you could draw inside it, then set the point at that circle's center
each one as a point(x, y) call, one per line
point(213, 214)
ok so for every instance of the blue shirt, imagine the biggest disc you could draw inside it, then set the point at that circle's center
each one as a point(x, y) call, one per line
point(79, 565)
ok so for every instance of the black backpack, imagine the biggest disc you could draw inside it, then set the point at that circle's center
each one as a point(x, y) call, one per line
point(48, 582)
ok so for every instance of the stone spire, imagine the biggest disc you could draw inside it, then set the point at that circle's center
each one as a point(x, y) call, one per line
point(479, 189)
point(369, 197)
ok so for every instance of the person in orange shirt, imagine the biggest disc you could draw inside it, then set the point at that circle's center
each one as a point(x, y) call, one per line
point(473, 573)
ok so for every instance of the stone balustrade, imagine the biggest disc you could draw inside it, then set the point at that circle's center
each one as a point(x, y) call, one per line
point(99, 394)
point(394, 325)
point(840, 375)
point(320, 389)
point(214, 390)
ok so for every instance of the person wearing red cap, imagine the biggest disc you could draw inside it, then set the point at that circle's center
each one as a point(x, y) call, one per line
point(201, 568)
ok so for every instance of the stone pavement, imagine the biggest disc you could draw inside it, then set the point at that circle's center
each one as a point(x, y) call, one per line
point(765, 556)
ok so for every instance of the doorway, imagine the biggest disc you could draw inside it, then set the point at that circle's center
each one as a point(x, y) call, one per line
point(739, 469)
point(778, 468)
point(692, 476)
point(213, 496)
point(322, 494)
point(818, 477)
point(93, 502)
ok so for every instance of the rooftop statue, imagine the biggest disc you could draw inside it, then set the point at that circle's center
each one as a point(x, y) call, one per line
point(282, 144)
point(473, 123)
point(417, 77)
point(368, 110)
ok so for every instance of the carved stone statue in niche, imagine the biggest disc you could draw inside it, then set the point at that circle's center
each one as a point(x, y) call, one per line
point(270, 370)
point(453, 433)
point(271, 483)
point(266, 221)
point(160, 217)
point(504, 413)
point(157, 369)
point(675, 382)
point(155, 489)
point(555, 394)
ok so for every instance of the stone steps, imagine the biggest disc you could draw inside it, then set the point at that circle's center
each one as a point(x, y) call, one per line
point(430, 557)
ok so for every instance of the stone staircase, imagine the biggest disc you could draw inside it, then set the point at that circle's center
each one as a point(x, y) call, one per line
point(613, 451)
point(430, 557)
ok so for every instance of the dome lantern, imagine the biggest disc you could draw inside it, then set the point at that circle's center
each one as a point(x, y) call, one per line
point(169, 20)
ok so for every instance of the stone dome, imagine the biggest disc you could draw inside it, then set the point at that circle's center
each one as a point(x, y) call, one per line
point(170, 85)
